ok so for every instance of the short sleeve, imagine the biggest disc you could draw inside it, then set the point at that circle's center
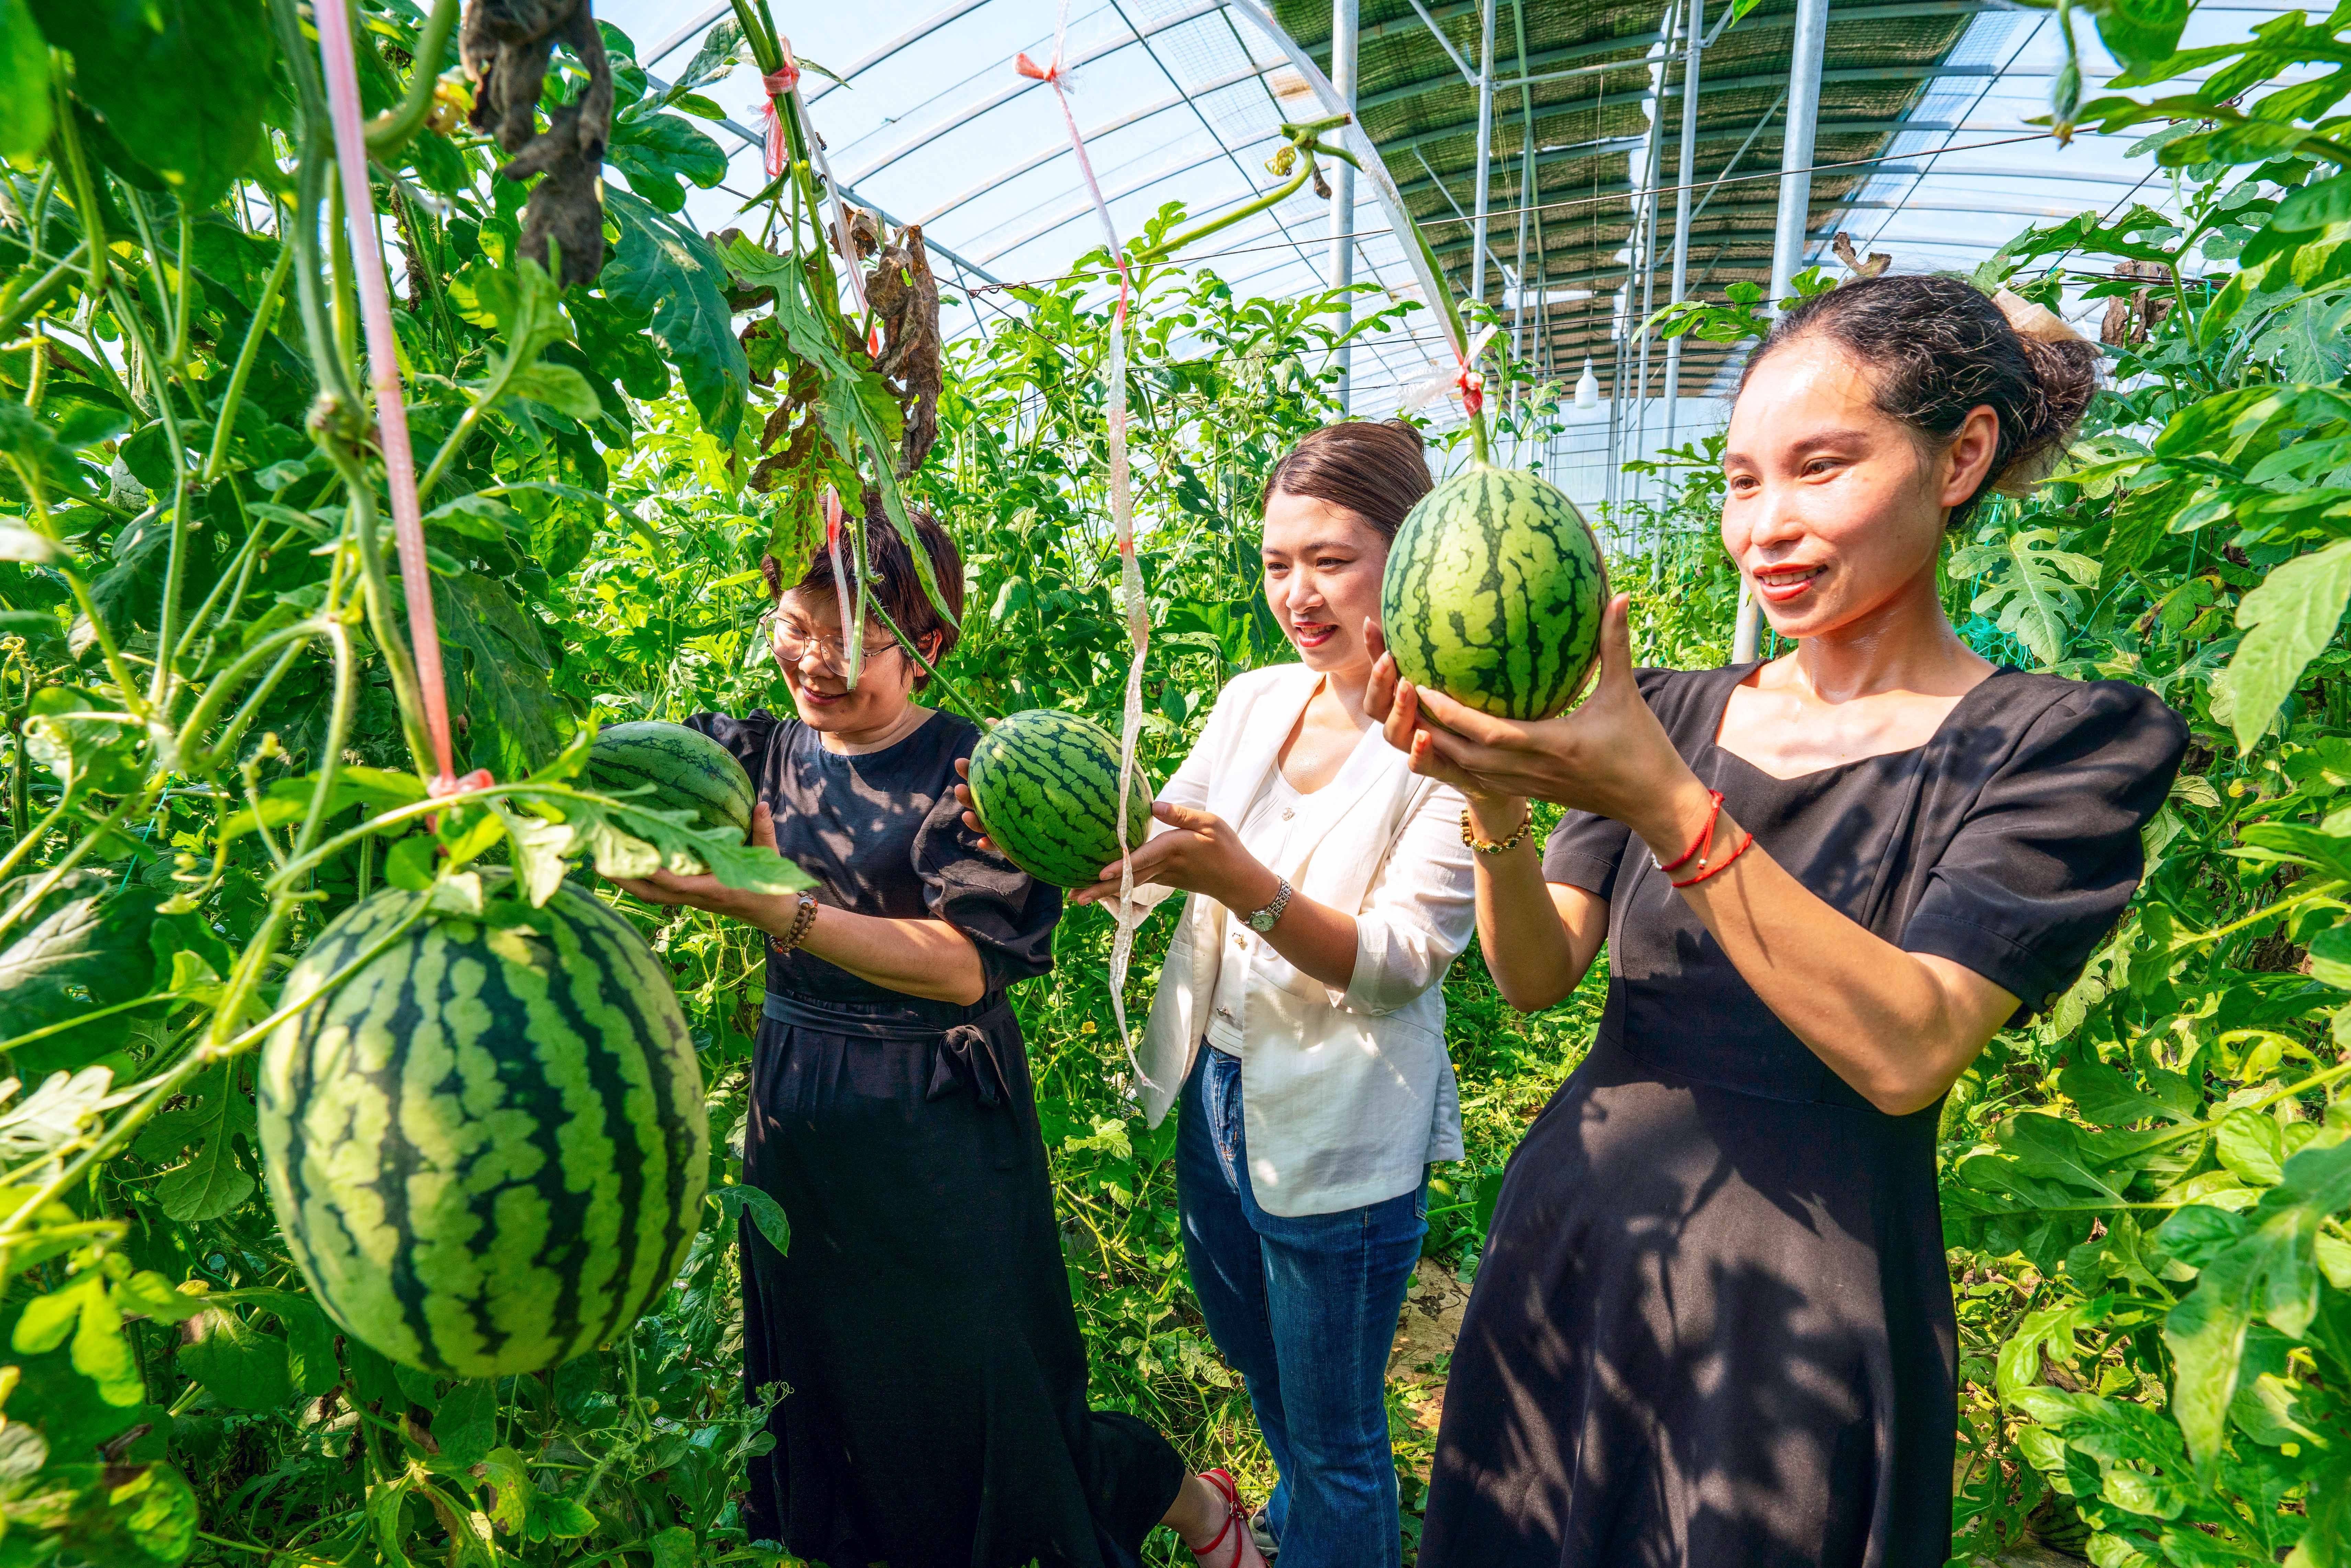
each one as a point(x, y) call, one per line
point(746, 737)
point(2047, 857)
point(1585, 851)
point(1008, 914)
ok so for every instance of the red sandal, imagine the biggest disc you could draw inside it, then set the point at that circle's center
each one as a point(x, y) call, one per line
point(1234, 1546)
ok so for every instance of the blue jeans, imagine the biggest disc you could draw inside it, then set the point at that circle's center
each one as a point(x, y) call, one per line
point(1306, 1309)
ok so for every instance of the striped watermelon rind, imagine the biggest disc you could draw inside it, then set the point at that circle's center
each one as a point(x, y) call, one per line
point(1044, 785)
point(687, 769)
point(1493, 594)
point(487, 1148)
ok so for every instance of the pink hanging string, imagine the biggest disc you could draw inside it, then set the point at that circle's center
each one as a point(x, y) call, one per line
point(1131, 911)
point(384, 367)
point(782, 82)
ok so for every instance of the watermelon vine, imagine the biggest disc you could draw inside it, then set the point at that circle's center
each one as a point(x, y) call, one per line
point(215, 753)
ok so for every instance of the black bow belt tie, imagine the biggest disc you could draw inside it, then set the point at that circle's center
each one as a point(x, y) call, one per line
point(980, 1054)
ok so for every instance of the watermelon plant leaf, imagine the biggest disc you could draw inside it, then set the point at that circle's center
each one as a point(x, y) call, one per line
point(507, 668)
point(183, 82)
point(2036, 589)
point(2287, 620)
point(766, 1214)
point(245, 1368)
point(466, 1424)
point(210, 1183)
point(654, 151)
point(25, 115)
point(668, 272)
point(89, 950)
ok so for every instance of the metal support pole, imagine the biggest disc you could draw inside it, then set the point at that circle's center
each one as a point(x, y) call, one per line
point(1615, 476)
point(1342, 194)
point(1788, 235)
point(1485, 150)
point(1649, 239)
point(1685, 179)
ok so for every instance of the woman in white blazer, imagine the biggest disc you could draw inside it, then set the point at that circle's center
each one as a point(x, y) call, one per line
point(1330, 890)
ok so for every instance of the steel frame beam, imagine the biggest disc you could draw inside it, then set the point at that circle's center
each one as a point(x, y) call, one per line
point(1343, 19)
point(1485, 149)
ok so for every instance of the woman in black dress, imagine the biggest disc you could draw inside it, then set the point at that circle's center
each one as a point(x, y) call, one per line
point(1712, 1325)
point(935, 1414)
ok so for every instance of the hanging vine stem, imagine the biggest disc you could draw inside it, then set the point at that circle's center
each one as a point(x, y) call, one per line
point(264, 312)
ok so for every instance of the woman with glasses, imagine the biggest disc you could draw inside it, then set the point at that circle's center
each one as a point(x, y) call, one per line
point(935, 1411)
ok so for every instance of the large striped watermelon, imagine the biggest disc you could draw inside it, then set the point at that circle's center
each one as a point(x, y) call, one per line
point(487, 1148)
point(1045, 786)
point(688, 770)
point(1493, 594)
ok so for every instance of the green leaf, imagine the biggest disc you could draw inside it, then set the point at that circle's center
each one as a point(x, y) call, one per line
point(125, 1516)
point(668, 272)
point(511, 703)
point(654, 151)
point(2140, 32)
point(2037, 589)
point(2288, 619)
point(766, 1213)
point(84, 1309)
point(87, 948)
point(182, 81)
point(25, 115)
point(2103, 1097)
point(560, 388)
point(210, 1183)
point(244, 1367)
point(674, 1548)
point(466, 1424)
point(2253, 1146)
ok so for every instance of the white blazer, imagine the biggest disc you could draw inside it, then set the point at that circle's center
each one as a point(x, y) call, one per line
point(1347, 1094)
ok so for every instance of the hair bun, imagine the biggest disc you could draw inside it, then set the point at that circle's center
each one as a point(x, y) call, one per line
point(1408, 428)
point(2065, 375)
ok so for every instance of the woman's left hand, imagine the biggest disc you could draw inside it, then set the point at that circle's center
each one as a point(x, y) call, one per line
point(1608, 756)
point(772, 912)
point(1204, 855)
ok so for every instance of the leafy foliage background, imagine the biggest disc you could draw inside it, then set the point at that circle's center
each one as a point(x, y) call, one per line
point(208, 759)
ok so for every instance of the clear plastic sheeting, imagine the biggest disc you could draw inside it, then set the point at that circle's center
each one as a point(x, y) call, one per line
point(1926, 156)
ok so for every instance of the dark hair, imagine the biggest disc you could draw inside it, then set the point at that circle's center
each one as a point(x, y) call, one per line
point(1937, 349)
point(1374, 470)
point(891, 575)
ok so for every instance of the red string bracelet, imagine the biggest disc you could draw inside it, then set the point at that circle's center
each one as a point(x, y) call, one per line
point(1706, 870)
point(1705, 836)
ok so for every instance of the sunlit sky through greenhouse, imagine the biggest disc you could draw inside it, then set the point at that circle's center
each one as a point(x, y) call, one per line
point(1180, 102)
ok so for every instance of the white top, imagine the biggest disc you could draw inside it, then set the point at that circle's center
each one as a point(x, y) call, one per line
point(1265, 832)
point(1347, 1094)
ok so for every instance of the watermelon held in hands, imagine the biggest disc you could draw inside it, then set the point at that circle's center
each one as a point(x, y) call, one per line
point(487, 1145)
point(1045, 787)
point(1493, 594)
point(688, 771)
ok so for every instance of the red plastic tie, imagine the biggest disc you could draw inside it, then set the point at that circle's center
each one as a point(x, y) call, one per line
point(782, 82)
point(1030, 68)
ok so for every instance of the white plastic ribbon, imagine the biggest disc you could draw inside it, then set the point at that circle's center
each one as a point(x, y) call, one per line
point(1131, 911)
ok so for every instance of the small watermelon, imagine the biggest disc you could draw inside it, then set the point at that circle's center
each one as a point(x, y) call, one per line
point(487, 1146)
point(1493, 594)
point(689, 771)
point(1045, 786)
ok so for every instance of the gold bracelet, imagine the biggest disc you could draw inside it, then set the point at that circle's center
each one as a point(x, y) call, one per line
point(1470, 838)
point(801, 920)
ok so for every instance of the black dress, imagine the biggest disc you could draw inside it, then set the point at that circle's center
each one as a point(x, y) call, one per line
point(1712, 1325)
point(922, 1320)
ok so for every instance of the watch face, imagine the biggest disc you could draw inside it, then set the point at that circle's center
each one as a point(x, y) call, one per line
point(1261, 921)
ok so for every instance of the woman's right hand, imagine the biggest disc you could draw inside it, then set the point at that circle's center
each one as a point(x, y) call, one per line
point(1396, 702)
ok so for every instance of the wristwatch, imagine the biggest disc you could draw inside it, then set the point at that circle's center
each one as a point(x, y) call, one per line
point(1262, 920)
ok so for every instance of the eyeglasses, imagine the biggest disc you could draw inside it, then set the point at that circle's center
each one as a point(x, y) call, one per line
point(794, 642)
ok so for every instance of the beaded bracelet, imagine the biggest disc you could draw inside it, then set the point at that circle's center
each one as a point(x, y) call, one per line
point(800, 923)
point(1497, 846)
